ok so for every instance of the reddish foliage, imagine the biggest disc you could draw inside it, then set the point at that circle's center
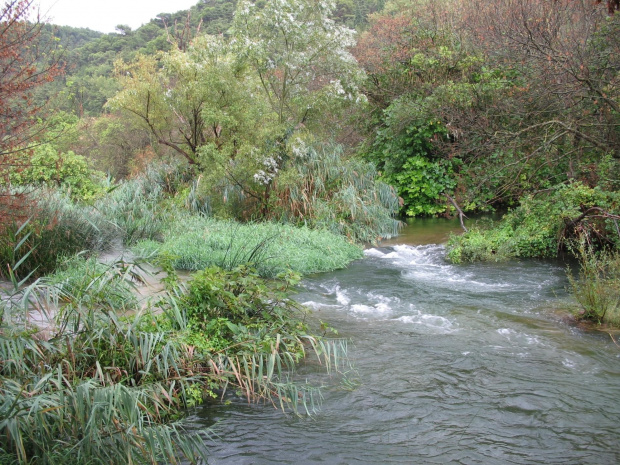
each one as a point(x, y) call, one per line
point(382, 51)
point(26, 62)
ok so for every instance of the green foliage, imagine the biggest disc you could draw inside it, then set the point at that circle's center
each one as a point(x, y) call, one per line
point(95, 387)
point(196, 243)
point(412, 77)
point(300, 55)
point(407, 159)
point(227, 308)
point(540, 225)
point(135, 207)
point(597, 285)
point(89, 282)
point(48, 167)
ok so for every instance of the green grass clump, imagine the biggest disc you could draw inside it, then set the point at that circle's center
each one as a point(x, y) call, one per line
point(90, 282)
point(91, 387)
point(327, 190)
point(136, 207)
point(195, 243)
point(55, 227)
point(597, 284)
point(134, 210)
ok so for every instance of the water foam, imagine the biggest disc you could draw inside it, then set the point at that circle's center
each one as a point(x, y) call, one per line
point(379, 308)
point(435, 322)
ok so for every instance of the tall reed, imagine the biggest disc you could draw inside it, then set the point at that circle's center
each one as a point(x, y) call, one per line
point(95, 386)
point(56, 227)
point(343, 195)
point(597, 284)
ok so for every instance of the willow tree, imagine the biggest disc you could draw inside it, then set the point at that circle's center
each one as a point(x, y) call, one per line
point(192, 99)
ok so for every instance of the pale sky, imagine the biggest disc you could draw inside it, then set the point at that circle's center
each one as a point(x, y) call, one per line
point(105, 15)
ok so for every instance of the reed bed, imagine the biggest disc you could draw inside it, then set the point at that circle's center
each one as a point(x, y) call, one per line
point(94, 386)
point(195, 243)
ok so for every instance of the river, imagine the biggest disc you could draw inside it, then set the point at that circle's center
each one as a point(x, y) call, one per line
point(468, 364)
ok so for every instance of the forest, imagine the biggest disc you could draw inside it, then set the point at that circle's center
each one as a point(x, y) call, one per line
point(231, 149)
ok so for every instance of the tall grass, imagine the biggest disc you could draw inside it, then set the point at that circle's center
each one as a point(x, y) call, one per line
point(197, 242)
point(136, 206)
point(89, 388)
point(134, 209)
point(57, 227)
point(597, 284)
point(95, 387)
point(327, 190)
point(86, 281)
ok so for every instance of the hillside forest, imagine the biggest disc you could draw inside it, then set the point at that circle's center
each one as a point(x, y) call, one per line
point(248, 143)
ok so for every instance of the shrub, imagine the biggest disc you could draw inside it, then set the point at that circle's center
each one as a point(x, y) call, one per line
point(541, 225)
point(50, 168)
point(226, 308)
point(98, 388)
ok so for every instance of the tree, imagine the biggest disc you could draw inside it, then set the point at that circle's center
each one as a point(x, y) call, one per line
point(302, 60)
point(27, 61)
point(525, 94)
point(300, 56)
point(197, 102)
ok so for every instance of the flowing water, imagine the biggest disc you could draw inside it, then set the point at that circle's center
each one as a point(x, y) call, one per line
point(468, 364)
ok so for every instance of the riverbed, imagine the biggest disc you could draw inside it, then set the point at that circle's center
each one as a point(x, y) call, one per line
point(463, 364)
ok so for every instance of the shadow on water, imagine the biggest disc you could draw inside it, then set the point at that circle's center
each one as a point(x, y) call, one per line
point(453, 364)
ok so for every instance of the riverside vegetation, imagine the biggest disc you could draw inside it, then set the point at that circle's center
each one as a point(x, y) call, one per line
point(249, 143)
point(89, 371)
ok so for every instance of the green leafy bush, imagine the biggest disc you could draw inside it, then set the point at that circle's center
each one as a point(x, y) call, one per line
point(48, 167)
point(541, 225)
point(237, 307)
point(404, 152)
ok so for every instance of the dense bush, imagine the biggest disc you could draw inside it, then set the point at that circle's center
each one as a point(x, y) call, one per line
point(541, 225)
point(50, 168)
point(237, 307)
